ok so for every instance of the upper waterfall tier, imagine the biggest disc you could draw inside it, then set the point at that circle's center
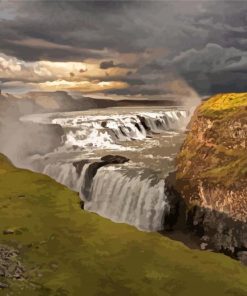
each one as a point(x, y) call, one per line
point(109, 131)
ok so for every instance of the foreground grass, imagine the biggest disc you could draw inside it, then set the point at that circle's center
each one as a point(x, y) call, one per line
point(68, 251)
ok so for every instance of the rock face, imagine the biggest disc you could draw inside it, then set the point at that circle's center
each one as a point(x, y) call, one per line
point(212, 173)
point(10, 266)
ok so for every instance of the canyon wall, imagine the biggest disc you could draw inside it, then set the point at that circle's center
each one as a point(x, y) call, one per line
point(211, 173)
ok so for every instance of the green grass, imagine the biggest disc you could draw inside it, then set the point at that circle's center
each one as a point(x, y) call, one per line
point(222, 105)
point(92, 255)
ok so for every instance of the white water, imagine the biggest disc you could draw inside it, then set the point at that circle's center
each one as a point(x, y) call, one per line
point(104, 131)
point(123, 193)
point(64, 173)
point(131, 200)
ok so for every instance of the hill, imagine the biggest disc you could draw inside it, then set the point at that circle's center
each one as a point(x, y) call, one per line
point(53, 247)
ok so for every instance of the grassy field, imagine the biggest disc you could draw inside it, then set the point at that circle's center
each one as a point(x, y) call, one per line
point(67, 251)
point(222, 105)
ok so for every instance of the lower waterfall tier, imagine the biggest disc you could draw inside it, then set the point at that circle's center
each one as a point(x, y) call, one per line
point(133, 199)
point(128, 195)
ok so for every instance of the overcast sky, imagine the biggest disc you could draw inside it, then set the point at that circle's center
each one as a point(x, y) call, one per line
point(133, 49)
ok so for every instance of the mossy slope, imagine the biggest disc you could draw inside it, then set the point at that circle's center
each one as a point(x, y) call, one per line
point(223, 105)
point(68, 251)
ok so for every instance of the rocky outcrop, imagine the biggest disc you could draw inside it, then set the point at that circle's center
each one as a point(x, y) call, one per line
point(10, 266)
point(211, 173)
point(93, 168)
point(114, 159)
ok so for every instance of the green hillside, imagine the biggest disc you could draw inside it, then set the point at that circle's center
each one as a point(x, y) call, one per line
point(223, 105)
point(67, 251)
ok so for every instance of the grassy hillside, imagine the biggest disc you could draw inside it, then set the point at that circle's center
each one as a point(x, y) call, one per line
point(67, 251)
point(223, 105)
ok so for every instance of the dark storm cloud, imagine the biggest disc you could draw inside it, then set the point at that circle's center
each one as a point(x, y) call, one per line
point(208, 70)
point(107, 65)
point(204, 42)
point(86, 27)
point(124, 26)
point(110, 64)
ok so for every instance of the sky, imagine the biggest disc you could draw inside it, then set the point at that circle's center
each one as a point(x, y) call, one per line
point(124, 49)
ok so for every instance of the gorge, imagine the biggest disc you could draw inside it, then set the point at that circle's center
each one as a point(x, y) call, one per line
point(132, 180)
point(130, 188)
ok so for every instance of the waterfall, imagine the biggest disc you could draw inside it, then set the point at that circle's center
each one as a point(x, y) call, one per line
point(66, 174)
point(107, 132)
point(122, 191)
point(134, 197)
point(135, 200)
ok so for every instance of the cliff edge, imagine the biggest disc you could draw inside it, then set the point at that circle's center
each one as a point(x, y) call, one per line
point(49, 246)
point(212, 172)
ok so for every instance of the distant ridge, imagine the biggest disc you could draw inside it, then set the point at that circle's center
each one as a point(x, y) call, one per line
point(42, 102)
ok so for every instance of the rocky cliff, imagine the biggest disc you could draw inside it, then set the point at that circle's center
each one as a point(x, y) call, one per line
point(212, 173)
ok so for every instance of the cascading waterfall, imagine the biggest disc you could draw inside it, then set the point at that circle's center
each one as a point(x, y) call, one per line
point(115, 193)
point(102, 131)
point(135, 200)
point(121, 192)
point(64, 173)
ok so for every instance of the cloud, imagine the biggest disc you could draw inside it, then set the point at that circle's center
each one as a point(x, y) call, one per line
point(208, 70)
point(110, 64)
point(83, 86)
point(146, 45)
point(107, 65)
point(121, 26)
point(213, 69)
point(39, 43)
point(9, 65)
point(13, 69)
point(211, 58)
point(50, 75)
point(17, 86)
